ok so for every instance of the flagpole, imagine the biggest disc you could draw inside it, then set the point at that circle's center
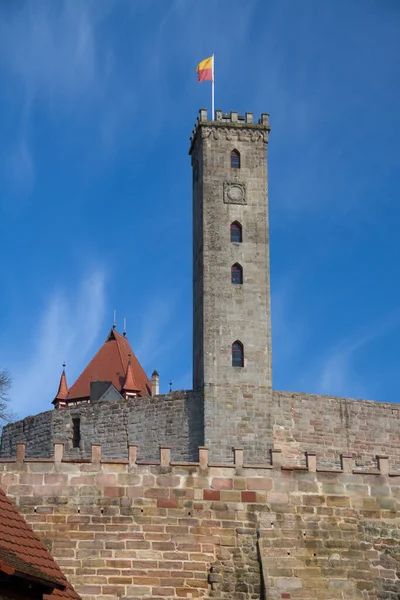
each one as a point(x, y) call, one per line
point(212, 90)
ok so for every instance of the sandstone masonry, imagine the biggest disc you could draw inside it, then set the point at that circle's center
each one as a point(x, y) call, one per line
point(175, 419)
point(125, 528)
point(224, 313)
point(296, 423)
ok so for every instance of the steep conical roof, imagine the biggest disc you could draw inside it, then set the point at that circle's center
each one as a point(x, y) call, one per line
point(130, 384)
point(62, 388)
point(111, 364)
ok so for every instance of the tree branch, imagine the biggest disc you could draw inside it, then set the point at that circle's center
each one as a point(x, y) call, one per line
point(6, 415)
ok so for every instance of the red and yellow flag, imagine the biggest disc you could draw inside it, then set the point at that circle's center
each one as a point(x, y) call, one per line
point(205, 69)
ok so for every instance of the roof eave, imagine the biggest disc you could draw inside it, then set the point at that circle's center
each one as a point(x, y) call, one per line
point(48, 583)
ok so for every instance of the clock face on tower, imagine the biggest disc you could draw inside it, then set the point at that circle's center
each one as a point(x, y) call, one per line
point(234, 193)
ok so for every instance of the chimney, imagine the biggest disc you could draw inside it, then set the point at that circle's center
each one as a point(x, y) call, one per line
point(155, 383)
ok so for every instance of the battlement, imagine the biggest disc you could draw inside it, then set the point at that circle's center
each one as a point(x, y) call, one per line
point(174, 419)
point(233, 117)
point(160, 528)
point(231, 120)
point(346, 462)
point(327, 425)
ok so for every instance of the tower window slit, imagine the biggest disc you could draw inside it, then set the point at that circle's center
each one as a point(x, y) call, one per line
point(235, 159)
point(236, 232)
point(76, 432)
point(237, 354)
point(237, 274)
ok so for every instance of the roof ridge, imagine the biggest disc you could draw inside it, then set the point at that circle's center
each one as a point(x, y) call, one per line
point(119, 349)
point(133, 355)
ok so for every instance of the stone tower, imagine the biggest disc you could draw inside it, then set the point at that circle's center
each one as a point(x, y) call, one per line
point(231, 292)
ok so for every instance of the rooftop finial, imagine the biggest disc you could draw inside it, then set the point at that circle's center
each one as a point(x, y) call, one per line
point(124, 332)
point(170, 386)
point(115, 319)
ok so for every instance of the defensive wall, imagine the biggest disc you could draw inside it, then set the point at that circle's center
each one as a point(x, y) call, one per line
point(173, 529)
point(296, 423)
point(175, 419)
point(330, 425)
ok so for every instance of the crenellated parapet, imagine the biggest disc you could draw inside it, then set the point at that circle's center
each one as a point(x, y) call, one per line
point(230, 126)
point(174, 419)
point(347, 463)
point(327, 425)
point(181, 529)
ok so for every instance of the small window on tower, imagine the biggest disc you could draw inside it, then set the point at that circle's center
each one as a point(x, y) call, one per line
point(236, 232)
point(235, 159)
point(76, 432)
point(237, 274)
point(237, 354)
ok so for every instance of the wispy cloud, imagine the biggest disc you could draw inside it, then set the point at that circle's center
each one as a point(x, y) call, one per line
point(335, 368)
point(288, 329)
point(59, 58)
point(158, 335)
point(54, 55)
point(337, 374)
point(20, 167)
point(68, 327)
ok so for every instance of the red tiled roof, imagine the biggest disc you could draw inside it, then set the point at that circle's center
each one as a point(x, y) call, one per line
point(62, 388)
point(24, 555)
point(110, 364)
point(130, 384)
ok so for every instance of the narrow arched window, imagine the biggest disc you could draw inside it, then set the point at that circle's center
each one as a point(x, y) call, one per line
point(235, 159)
point(236, 232)
point(76, 432)
point(237, 354)
point(237, 274)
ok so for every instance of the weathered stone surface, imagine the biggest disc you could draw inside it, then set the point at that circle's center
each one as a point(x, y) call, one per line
point(175, 419)
point(332, 426)
point(237, 400)
point(138, 538)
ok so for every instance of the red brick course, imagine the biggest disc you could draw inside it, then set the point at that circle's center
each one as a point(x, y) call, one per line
point(248, 496)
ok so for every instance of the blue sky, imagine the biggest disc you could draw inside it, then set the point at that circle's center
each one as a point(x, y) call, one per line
point(97, 103)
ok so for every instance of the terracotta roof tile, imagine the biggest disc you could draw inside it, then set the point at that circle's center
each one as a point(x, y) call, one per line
point(63, 387)
point(110, 364)
point(130, 384)
point(22, 552)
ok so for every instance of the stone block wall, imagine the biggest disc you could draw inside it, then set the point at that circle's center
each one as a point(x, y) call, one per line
point(261, 419)
point(330, 425)
point(250, 423)
point(175, 419)
point(168, 529)
point(36, 431)
point(223, 312)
